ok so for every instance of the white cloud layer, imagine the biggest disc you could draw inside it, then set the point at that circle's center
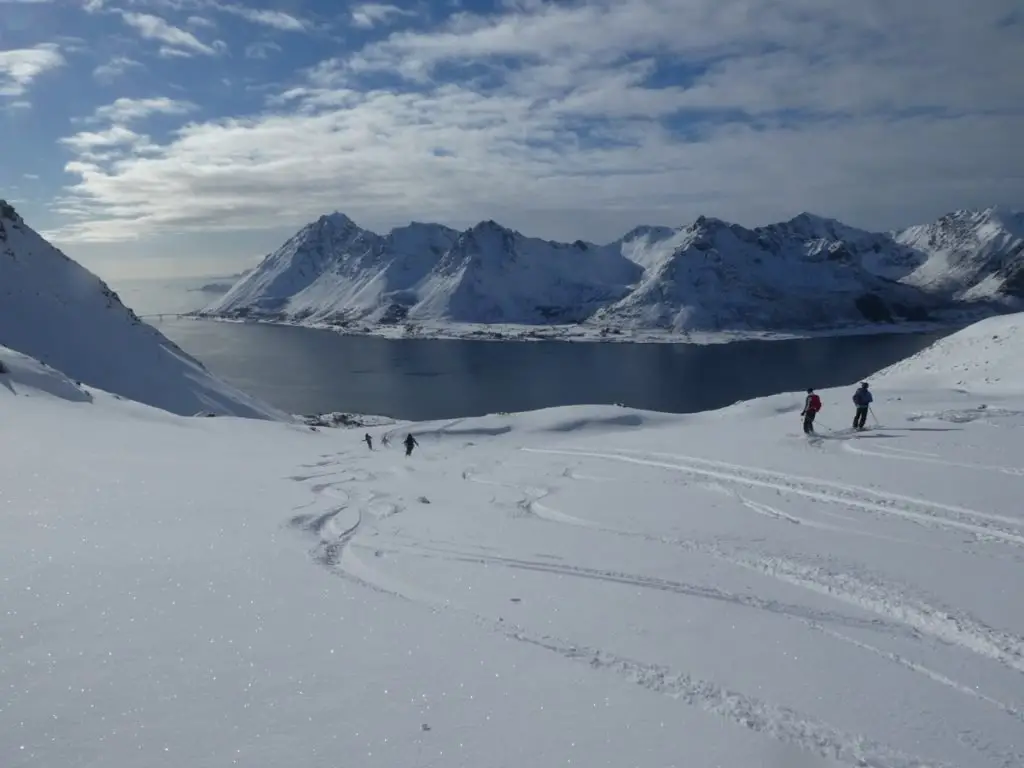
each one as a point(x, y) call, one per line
point(115, 69)
point(19, 67)
point(125, 110)
point(370, 15)
point(582, 119)
point(268, 18)
point(177, 41)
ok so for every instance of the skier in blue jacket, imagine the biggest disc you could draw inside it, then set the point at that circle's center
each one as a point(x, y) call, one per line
point(862, 399)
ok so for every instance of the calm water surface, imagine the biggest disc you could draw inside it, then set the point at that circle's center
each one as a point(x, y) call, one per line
point(307, 371)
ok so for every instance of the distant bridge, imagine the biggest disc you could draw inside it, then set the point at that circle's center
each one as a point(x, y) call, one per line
point(165, 316)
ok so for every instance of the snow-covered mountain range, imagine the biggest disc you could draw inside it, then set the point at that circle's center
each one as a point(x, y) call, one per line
point(54, 310)
point(809, 273)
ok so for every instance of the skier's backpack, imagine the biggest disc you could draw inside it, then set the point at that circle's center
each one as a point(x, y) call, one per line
point(815, 404)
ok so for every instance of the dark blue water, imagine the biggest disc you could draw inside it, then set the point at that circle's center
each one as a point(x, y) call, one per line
point(308, 371)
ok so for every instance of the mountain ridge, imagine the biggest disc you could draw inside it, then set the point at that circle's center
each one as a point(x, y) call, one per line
point(711, 275)
point(54, 310)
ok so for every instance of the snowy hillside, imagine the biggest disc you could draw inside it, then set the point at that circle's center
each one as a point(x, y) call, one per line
point(985, 358)
point(494, 275)
point(970, 254)
point(26, 376)
point(56, 311)
point(334, 272)
point(801, 274)
point(809, 273)
point(587, 586)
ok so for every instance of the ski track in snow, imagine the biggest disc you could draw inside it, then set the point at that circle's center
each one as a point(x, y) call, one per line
point(769, 511)
point(340, 531)
point(942, 624)
point(898, 454)
point(937, 677)
point(873, 597)
point(336, 552)
point(650, 582)
point(928, 513)
point(781, 723)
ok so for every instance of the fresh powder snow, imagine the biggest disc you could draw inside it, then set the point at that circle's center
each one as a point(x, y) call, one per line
point(60, 313)
point(590, 586)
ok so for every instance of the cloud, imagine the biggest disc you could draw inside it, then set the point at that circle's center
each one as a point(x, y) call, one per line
point(661, 111)
point(111, 137)
point(177, 41)
point(125, 110)
point(115, 68)
point(268, 18)
point(21, 66)
point(261, 49)
point(370, 15)
point(201, 21)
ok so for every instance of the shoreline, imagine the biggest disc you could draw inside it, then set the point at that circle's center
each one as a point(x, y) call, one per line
point(583, 334)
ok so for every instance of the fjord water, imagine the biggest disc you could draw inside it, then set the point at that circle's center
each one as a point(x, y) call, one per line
point(308, 371)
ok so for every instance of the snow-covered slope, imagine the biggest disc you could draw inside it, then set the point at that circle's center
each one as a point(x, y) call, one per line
point(26, 376)
point(494, 275)
point(378, 285)
point(809, 273)
point(587, 586)
point(56, 311)
point(985, 358)
point(296, 265)
point(970, 255)
point(334, 272)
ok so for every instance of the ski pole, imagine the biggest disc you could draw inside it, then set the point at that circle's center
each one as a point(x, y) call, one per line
point(872, 412)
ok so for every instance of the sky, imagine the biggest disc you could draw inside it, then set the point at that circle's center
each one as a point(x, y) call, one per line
point(150, 137)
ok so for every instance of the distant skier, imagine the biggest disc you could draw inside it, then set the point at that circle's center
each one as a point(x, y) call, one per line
point(369, 441)
point(386, 440)
point(811, 407)
point(862, 399)
point(410, 443)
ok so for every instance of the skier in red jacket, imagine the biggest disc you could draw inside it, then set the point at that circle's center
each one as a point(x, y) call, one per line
point(811, 407)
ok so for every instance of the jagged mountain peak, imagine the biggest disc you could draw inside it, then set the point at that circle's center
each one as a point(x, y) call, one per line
point(490, 226)
point(999, 216)
point(330, 227)
point(7, 212)
point(487, 239)
point(806, 217)
point(710, 273)
point(326, 234)
point(650, 231)
point(425, 226)
point(812, 226)
point(338, 220)
point(710, 223)
point(971, 254)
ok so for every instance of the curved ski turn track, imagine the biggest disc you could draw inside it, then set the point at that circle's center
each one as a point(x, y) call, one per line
point(853, 601)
